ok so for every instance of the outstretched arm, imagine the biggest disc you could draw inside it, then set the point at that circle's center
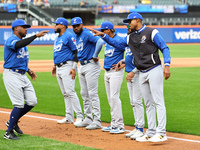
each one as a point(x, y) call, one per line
point(120, 44)
point(26, 41)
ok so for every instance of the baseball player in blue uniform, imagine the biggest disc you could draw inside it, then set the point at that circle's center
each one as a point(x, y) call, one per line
point(144, 43)
point(88, 47)
point(17, 84)
point(113, 79)
point(65, 60)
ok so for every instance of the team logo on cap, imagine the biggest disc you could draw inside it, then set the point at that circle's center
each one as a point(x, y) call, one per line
point(74, 20)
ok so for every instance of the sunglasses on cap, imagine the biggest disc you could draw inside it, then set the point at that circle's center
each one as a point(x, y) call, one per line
point(102, 30)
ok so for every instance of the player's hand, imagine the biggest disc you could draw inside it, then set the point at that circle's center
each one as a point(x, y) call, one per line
point(73, 73)
point(53, 71)
point(166, 72)
point(95, 59)
point(96, 33)
point(42, 33)
point(129, 76)
point(32, 74)
point(119, 66)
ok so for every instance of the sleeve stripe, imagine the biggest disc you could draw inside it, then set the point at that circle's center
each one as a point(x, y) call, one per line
point(128, 39)
point(153, 34)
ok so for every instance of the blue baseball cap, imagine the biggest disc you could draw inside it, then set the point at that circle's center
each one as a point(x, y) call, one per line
point(107, 25)
point(62, 21)
point(132, 16)
point(20, 22)
point(76, 20)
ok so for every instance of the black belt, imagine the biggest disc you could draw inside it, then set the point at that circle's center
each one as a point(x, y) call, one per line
point(148, 69)
point(60, 64)
point(18, 71)
point(85, 62)
point(108, 69)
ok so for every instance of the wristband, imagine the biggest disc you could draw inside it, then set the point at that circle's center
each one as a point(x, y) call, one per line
point(74, 65)
point(134, 70)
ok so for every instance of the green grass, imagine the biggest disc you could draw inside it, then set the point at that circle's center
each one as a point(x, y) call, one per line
point(46, 52)
point(28, 142)
point(181, 92)
point(184, 51)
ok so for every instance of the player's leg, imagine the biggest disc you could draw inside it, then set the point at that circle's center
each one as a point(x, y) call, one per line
point(92, 76)
point(156, 86)
point(69, 113)
point(107, 86)
point(85, 96)
point(137, 102)
point(130, 91)
point(138, 107)
point(69, 84)
point(13, 85)
point(115, 86)
point(149, 103)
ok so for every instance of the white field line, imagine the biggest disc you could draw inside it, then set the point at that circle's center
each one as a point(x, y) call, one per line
point(44, 118)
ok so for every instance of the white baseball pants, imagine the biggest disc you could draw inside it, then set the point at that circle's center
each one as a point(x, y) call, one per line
point(67, 85)
point(113, 80)
point(151, 85)
point(19, 89)
point(88, 78)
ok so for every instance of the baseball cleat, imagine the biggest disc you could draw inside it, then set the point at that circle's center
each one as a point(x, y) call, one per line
point(82, 124)
point(9, 135)
point(78, 120)
point(117, 130)
point(93, 126)
point(63, 121)
point(131, 133)
point(16, 128)
point(158, 138)
point(144, 138)
point(107, 129)
point(137, 134)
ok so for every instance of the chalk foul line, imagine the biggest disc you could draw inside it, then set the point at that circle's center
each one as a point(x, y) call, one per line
point(44, 118)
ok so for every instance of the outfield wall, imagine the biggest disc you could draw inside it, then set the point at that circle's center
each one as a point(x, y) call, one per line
point(171, 34)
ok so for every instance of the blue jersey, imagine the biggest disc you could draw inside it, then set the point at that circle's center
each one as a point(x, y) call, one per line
point(129, 66)
point(86, 44)
point(15, 58)
point(64, 47)
point(113, 54)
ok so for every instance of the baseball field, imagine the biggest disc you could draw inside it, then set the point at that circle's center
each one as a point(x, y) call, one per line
point(181, 93)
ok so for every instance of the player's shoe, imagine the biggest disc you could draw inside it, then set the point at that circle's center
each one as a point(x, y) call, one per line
point(117, 130)
point(9, 135)
point(131, 133)
point(144, 138)
point(106, 129)
point(16, 128)
point(63, 121)
point(158, 138)
point(82, 124)
point(137, 134)
point(78, 120)
point(93, 126)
